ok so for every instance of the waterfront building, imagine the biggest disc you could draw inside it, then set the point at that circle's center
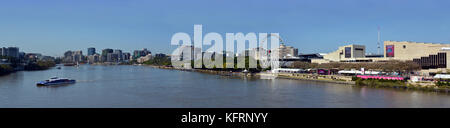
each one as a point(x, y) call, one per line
point(144, 58)
point(103, 58)
point(91, 51)
point(119, 54)
point(33, 56)
point(373, 55)
point(112, 57)
point(10, 51)
point(187, 52)
point(287, 51)
point(77, 56)
point(287, 54)
point(140, 53)
point(13, 52)
point(427, 55)
point(308, 57)
point(4, 51)
point(94, 58)
point(105, 52)
point(126, 56)
point(73, 56)
point(67, 57)
point(432, 57)
point(348, 53)
point(22, 55)
point(258, 53)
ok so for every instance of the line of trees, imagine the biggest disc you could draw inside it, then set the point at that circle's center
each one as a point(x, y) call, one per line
point(5, 69)
point(24, 64)
point(159, 61)
point(40, 65)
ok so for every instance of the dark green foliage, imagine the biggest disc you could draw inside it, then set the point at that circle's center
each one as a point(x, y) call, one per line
point(5, 69)
point(159, 61)
point(443, 83)
point(380, 83)
point(39, 65)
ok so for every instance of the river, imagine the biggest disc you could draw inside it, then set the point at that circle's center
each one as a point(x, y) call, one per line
point(146, 87)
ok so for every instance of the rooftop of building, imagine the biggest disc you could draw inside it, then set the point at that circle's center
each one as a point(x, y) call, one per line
point(416, 42)
point(353, 45)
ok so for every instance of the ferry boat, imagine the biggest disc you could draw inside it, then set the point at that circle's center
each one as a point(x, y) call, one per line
point(55, 81)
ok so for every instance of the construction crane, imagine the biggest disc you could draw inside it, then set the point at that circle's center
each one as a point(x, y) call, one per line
point(378, 43)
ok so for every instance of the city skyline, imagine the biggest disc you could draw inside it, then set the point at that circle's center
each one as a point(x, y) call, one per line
point(53, 27)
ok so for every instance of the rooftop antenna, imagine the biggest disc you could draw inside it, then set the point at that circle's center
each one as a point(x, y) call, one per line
point(378, 43)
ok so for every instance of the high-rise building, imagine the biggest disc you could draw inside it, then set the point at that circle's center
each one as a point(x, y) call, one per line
point(104, 56)
point(126, 56)
point(33, 56)
point(91, 51)
point(112, 57)
point(67, 56)
point(94, 58)
point(119, 54)
point(73, 56)
point(10, 51)
point(21, 55)
point(106, 51)
point(140, 53)
point(77, 56)
point(13, 51)
point(287, 51)
point(144, 58)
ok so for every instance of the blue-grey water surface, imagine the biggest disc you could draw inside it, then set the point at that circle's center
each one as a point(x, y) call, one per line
point(141, 86)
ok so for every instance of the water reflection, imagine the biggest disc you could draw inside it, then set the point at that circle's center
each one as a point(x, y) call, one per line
point(140, 86)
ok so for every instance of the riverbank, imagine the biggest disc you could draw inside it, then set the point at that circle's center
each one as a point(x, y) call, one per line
point(40, 65)
point(318, 78)
point(5, 69)
point(206, 71)
point(308, 77)
point(400, 84)
point(337, 79)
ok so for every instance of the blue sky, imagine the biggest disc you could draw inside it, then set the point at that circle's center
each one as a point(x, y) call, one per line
point(54, 26)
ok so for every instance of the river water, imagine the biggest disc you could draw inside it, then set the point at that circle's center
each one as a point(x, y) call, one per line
point(141, 86)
